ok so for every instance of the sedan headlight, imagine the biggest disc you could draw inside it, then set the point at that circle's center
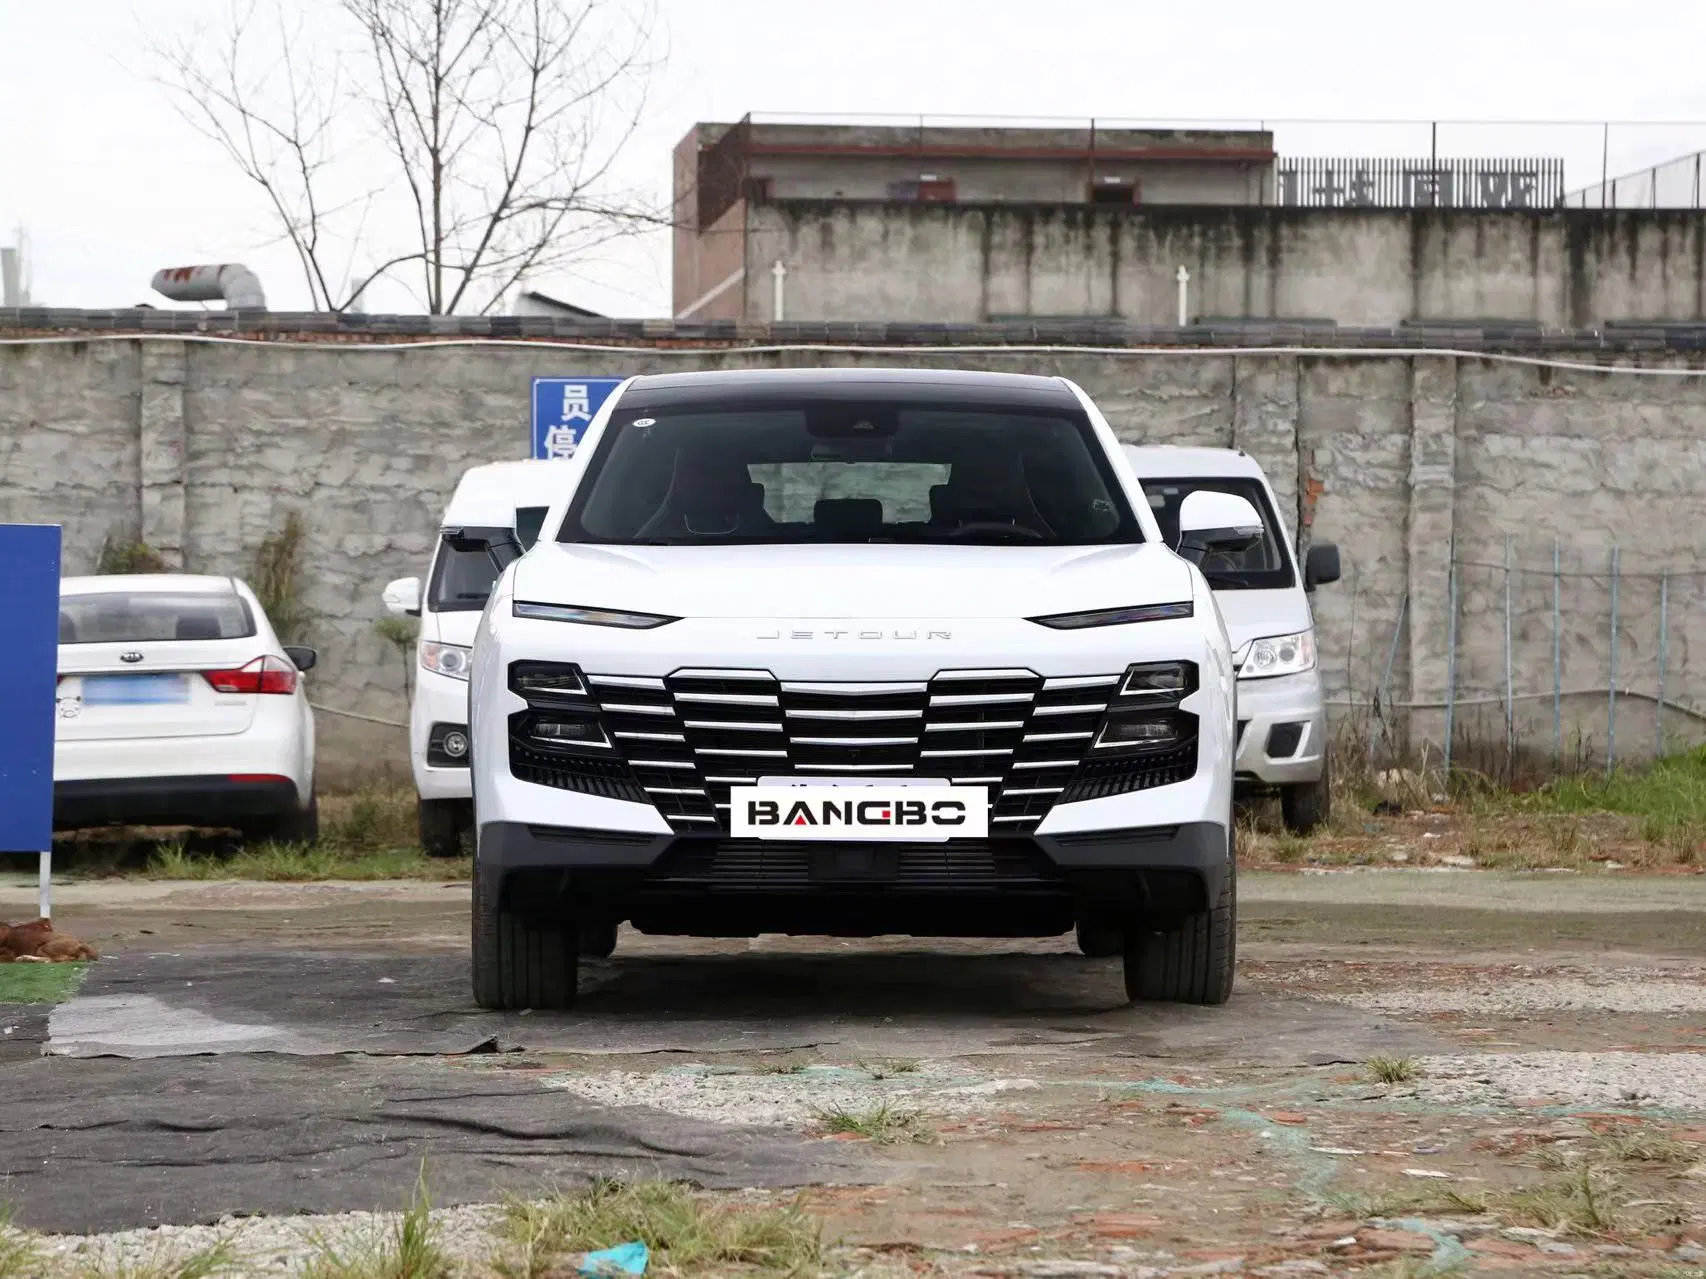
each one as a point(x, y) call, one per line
point(1279, 655)
point(590, 616)
point(445, 659)
point(1115, 616)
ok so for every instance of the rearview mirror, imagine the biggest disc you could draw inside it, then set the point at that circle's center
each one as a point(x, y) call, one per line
point(1321, 565)
point(403, 597)
point(1219, 522)
point(301, 656)
point(495, 540)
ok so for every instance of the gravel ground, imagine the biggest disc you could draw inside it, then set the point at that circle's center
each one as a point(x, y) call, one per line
point(1674, 1081)
point(1612, 991)
point(791, 1100)
point(265, 1246)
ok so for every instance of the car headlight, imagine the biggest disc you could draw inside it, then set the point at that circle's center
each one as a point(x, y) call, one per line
point(590, 616)
point(1115, 616)
point(445, 659)
point(1279, 655)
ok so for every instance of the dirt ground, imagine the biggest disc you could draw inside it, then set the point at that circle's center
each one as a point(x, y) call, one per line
point(1509, 1072)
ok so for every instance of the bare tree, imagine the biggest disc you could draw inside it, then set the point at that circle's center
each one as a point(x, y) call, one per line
point(454, 146)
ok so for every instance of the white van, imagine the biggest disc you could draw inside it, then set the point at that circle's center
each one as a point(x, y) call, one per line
point(512, 495)
point(1264, 600)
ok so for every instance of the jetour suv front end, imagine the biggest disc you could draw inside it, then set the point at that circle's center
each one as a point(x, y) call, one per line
point(851, 653)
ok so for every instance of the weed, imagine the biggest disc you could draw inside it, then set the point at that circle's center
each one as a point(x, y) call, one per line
point(888, 1069)
point(1580, 1203)
point(130, 557)
point(1408, 1201)
point(685, 1232)
point(273, 578)
point(1290, 848)
point(884, 1124)
point(401, 633)
point(1392, 1070)
point(375, 817)
point(20, 1252)
point(1648, 1146)
point(205, 1263)
point(410, 1250)
point(779, 1068)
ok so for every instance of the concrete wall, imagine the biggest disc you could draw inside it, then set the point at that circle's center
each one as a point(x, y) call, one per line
point(965, 264)
point(202, 449)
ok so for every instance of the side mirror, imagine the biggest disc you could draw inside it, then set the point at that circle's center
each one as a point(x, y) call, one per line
point(1321, 565)
point(494, 540)
point(1219, 522)
point(403, 597)
point(301, 656)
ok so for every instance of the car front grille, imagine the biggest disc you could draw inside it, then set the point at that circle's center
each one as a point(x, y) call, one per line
point(739, 865)
point(682, 741)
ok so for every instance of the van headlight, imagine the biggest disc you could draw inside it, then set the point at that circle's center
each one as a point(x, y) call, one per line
point(445, 659)
point(1279, 655)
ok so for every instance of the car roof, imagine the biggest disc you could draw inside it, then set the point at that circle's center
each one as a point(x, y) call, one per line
point(162, 583)
point(490, 493)
point(1182, 462)
point(948, 386)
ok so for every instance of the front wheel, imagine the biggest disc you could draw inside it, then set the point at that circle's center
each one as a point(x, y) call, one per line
point(1191, 960)
point(1307, 806)
point(519, 962)
point(1099, 939)
point(441, 822)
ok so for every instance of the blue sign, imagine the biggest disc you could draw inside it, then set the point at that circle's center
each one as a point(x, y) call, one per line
point(29, 672)
point(562, 407)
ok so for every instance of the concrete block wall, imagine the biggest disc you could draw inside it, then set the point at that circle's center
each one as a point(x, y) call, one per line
point(202, 449)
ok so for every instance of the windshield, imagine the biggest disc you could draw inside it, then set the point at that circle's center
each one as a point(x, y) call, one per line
point(462, 581)
point(1264, 567)
point(846, 471)
point(137, 617)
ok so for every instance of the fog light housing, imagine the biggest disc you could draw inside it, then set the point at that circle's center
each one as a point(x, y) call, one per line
point(456, 745)
point(448, 746)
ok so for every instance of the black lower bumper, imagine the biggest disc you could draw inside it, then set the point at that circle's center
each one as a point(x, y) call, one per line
point(171, 801)
point(1033, 885)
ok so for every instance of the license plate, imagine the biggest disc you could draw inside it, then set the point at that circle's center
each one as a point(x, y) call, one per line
point(134, 690)
point(859, 811)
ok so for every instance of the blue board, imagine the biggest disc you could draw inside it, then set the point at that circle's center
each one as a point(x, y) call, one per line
point(562, 407)
point(29, 642)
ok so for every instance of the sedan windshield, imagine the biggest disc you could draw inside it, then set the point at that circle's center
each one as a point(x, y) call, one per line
point(850, 472)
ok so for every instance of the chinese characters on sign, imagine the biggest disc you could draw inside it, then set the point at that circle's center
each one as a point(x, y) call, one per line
point(1420, 184)
point(562, 408)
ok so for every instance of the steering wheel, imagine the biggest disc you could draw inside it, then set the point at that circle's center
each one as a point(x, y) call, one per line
point(995, 526)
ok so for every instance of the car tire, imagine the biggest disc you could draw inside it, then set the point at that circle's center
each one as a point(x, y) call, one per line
point(519, 963)
point(301, 826)
point(1307, 806)
point(598, 941)
point(1099, 939)
point(441, 822)
point(1192, 960)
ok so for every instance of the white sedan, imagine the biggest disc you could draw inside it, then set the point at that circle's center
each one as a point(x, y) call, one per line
point(178, 706)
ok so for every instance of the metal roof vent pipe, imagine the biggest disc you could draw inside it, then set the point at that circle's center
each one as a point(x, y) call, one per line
point(237, 286)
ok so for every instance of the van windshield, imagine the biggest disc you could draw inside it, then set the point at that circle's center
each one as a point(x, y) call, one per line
point(850, 471)
point(462, 581)
point(1264, 567)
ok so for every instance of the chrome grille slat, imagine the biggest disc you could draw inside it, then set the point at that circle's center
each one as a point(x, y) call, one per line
point(1022, 736)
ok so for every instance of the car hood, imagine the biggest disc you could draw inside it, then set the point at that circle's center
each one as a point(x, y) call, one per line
point(1253, 615)
point(877, 580)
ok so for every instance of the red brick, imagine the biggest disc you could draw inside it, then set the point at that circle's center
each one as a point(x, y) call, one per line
point(1288, 1117)
point(1504, 1248)
point(1401, 1240)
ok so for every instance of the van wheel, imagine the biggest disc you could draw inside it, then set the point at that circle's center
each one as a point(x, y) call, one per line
point(519, 963)
point(1306, 807)
point(1190, 961)
point(441, 822)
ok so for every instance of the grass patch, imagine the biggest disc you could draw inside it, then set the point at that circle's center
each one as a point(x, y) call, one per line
point(1392, 1070)
point(1581, 1203)
point(883, 1124)
point(1669, 792)
point(409, 1250)
point(205, 1263)
point(889, 1069)
point(1648, 1146)
point(38, 984)
point(297, 863)
point(21, 1256)
point(685, 1233)
point(1409, 1201)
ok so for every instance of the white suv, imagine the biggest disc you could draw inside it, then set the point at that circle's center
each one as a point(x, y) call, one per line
point(854, 652)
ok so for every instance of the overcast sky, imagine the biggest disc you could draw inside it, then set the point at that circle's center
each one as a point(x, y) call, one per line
point(109, 184)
